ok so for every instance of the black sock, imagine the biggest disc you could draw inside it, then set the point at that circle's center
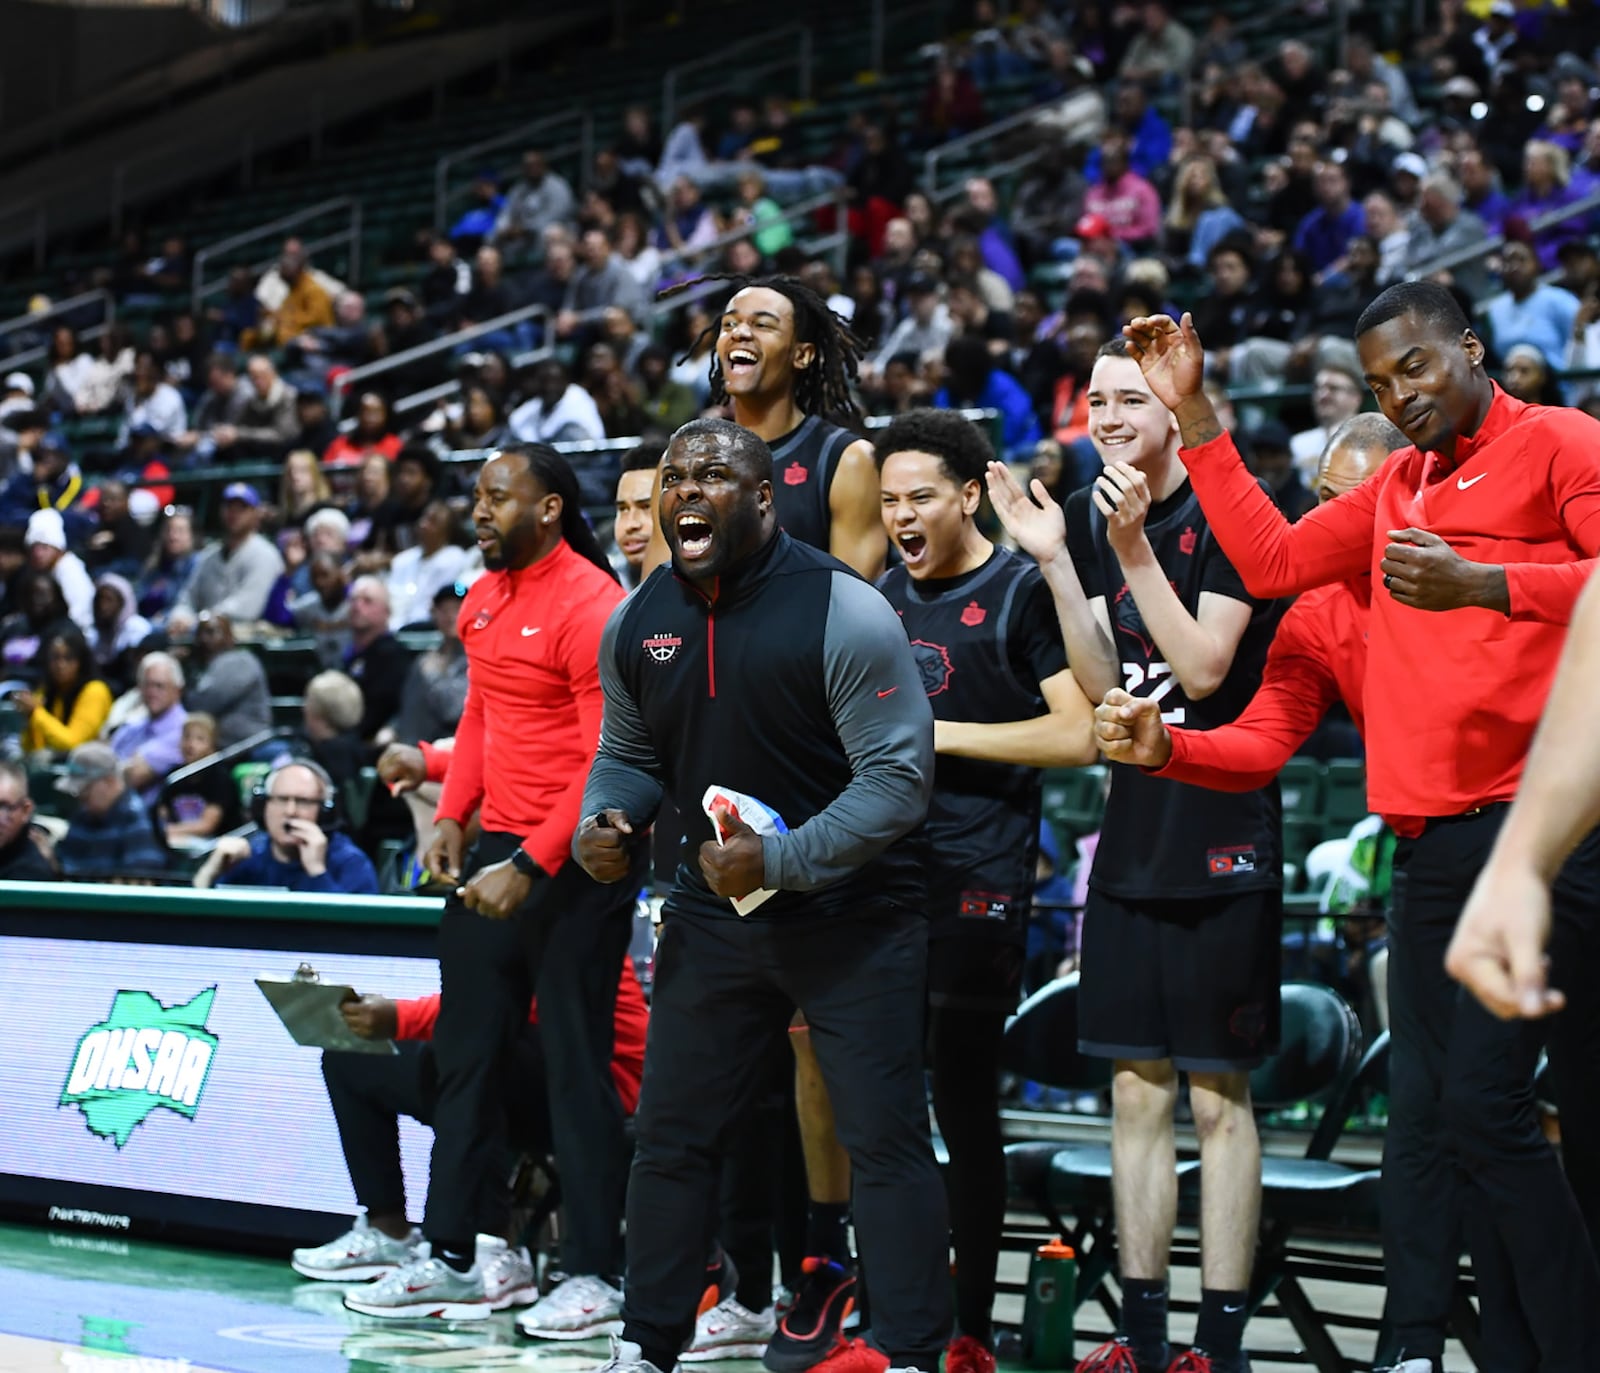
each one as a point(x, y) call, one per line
point(1144, 1319)
point(827, 1231)
point(1219, 1332)
point(662, 1356)
point(459, 1258)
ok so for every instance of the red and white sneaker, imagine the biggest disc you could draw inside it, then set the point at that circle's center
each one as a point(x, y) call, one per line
point(967, 1355)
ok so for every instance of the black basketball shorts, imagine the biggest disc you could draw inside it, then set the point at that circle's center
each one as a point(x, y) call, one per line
point(1196, 981)
point(974, 973)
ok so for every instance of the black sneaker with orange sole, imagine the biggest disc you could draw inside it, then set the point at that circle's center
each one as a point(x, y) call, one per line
point(810, 1329)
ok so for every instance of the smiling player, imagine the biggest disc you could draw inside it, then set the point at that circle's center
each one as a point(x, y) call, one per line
point(784, 361)
point(1182, 926)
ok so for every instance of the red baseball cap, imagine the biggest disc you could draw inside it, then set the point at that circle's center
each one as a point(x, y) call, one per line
point(1093, 226)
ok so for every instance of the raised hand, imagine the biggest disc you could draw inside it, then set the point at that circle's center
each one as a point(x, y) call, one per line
point(1122, 495)
point(1170, 356)
point(1040, 529)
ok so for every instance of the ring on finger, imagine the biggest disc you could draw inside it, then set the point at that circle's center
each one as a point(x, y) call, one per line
point(1388, 582)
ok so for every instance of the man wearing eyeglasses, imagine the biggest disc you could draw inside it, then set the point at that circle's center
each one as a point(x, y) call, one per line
point(293, 849)
point(20, 858)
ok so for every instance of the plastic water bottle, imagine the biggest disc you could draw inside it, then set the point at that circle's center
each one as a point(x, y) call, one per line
point(1049, 1306)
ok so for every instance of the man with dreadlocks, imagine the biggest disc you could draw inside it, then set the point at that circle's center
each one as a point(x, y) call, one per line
point(524, 917)
point(785, 362)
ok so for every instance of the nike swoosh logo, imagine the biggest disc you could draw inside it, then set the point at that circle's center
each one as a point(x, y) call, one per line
point(529, 633)
point(1234, 1310)
point(1462, 485)
point(890, 692)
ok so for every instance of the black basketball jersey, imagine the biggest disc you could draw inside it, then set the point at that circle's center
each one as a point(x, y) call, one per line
point(804, 462)
point(984, 642)
point(1165, 839)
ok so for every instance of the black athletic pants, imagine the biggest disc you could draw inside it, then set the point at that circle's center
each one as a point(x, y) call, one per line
point(1464, 1151)
point(964, 1052)
point(565, 943)
point(370, 1093)
point(724, 993)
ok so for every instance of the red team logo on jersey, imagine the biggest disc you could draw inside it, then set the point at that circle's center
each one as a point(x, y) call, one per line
point(482, 622)
point(795, 475)
point(1186, 542)
point(933, 663)
point(663, 647)
point(973, 615)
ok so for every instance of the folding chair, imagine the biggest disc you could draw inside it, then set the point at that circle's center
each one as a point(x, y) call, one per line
point(1061, 1180)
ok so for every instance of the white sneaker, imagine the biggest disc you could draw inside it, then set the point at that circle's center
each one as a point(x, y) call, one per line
point(730, 1331)
point(427, 1288)
point(582, 1308)
point(626, 1357)
point(361, 1253)
point(1409, 1366)
point(508, 1278)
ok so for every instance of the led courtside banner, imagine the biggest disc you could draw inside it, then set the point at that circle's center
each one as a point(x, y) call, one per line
point(152, 1085)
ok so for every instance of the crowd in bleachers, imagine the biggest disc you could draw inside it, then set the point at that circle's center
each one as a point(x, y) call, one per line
point(1169, 162)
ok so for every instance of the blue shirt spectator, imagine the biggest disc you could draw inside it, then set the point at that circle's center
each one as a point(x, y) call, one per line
point(294, 849)
point(975, 383)
point(112, 834)
point(1324, 233)
point(348, 871)
point(1528, 312)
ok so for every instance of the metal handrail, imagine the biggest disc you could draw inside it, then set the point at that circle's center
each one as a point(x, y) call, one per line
point(800, 57)
point(348, 381)
point(989, 132)
point(58, 309)
point(1458, 257)
point(351, 233)
point(443, 194)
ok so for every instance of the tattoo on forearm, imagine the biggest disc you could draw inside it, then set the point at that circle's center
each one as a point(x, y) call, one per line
point(1201, 431)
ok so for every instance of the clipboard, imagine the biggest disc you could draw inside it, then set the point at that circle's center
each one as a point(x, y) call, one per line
point(309, 1010)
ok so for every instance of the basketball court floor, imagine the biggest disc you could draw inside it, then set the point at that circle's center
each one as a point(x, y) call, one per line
point(98, 1304)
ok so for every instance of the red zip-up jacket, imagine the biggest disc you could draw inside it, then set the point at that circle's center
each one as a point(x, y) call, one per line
point(1318, 656)
point(531, 723)
point(416, 1018)
point(1451, 697)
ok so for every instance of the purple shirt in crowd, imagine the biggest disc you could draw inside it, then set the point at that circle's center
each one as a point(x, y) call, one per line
point(160, 740)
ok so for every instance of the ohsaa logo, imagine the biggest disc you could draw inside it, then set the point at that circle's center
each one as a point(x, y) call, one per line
point(142, 1055)
point(663, 647)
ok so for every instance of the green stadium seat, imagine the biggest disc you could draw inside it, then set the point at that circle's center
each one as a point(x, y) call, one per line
point(1346, 802)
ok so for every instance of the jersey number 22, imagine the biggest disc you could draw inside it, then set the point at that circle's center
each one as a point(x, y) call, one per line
point(1158, 677)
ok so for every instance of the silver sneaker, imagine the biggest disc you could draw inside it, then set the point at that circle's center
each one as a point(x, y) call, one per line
point(626, 1357)
point(582, 1308)
point(730, 1331)
point(508, 1277)
point(362, 1253)
point(424, 1289)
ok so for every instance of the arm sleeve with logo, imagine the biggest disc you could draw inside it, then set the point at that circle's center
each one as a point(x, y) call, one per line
point(1297, 687)
point(626, 774)
point(1548, 591)
point(550, 843)
point(885, 723)
point(1273, 557)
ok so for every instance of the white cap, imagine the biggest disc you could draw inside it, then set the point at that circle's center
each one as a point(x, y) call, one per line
point(48, 528)
point(20, 381)
point(1410, 162)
